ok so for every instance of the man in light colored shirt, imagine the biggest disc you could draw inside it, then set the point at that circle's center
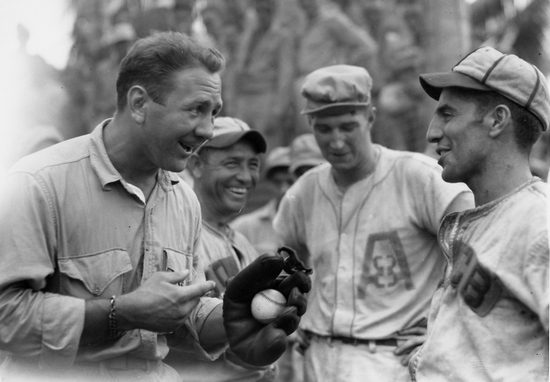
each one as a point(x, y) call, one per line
point(100, 275)
point(367, 221)
point(489, 319)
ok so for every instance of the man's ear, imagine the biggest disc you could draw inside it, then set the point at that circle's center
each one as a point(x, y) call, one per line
point(372, 114)
point(499, 118)
point(195, 165)
point(136, 98)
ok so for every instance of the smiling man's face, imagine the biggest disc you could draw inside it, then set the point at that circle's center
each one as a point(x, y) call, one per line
point(226, 177)
point(460, 136)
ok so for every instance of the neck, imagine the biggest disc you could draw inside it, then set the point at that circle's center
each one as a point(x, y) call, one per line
point(126, 156)
point(499, 180)
point(210, 214)
point(345, 178)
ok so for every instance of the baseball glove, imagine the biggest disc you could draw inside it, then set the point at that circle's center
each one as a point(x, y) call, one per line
point(255, 343)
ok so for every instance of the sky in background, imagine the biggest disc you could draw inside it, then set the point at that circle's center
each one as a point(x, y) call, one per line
point(49, 22)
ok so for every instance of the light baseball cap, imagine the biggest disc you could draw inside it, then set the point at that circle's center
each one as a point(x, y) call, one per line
point(228, 131)
point(304, 151)
point(335, 86)
point(487, 69)
point(279, 157)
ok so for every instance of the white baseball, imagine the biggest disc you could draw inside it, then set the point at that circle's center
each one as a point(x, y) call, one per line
point(267, 305)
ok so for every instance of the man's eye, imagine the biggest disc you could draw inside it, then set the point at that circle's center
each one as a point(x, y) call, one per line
point(195, 111)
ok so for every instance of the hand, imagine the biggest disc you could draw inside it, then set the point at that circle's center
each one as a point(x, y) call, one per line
point(160, 304)
point(409, 342)
point(255, 343)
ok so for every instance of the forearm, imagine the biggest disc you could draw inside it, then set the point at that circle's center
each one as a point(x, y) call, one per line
point(44, 325)
point(212, 334)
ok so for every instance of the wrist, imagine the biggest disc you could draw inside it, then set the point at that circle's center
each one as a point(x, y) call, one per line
point(124, 317)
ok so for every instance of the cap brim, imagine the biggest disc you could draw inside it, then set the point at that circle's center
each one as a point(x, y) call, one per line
point(225, 140)
point(434, 83)
point(333, 105)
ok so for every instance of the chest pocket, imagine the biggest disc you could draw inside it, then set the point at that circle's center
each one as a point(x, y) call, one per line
point(177, 261)
point(94, 275)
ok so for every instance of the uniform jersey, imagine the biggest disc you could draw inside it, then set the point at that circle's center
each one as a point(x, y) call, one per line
point(373, 249)
point(502, 336)
point(222, 255)
point(257, 226)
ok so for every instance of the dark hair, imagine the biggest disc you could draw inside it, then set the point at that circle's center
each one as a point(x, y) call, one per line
point(527, 126)
point(153, 60)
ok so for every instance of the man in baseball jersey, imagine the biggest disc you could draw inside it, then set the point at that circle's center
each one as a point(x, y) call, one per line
point(257, 225)
point(489, 319)
point(225, 170)
point(367, 221)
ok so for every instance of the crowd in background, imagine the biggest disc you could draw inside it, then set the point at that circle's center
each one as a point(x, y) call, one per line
point(268, 45)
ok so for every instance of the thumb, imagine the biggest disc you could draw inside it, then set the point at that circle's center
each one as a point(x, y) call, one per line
point(176, 277)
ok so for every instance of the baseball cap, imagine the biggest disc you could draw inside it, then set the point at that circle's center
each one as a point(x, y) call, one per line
point(279, 157)
point(487, 69)
point(304, 151)
point(228, 130)
point(334, 86)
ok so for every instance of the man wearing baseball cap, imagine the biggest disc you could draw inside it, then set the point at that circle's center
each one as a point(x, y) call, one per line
point(367, 222)
point(489, 319)
point(225, 169)
point(257, 225)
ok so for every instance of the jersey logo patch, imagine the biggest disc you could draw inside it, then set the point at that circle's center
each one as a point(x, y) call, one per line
point(385, 263)
point(219, 271)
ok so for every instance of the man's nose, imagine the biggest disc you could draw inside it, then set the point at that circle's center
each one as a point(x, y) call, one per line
point(205, 129)
point(434, 133)
point(337, 140)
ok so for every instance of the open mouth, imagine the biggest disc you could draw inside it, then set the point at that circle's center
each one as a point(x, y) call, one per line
point(238, 191)
point(441, 151)
point(188, 149)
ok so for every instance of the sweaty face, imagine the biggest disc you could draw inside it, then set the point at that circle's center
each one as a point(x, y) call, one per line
point(227, 178)
point(460, 138)
point(172, 130)
point(344, 139)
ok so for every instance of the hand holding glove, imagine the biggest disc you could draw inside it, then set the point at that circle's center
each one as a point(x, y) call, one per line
point(255, 343)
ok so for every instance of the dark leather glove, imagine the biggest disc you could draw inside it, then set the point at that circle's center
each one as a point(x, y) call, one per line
point(255, 343)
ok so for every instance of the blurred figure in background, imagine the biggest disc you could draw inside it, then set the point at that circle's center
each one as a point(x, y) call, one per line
point(304, 155)
point(256, 225)
point(264, 71)
point(115, 44)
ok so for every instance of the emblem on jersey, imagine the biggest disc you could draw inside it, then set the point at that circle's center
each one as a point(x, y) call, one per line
point(385, 263)
point(220, 271)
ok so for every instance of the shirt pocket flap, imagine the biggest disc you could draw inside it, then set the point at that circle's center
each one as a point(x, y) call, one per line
point(96, 271)
point(177, 261)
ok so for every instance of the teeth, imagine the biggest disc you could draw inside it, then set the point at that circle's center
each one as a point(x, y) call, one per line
point(238, 190)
